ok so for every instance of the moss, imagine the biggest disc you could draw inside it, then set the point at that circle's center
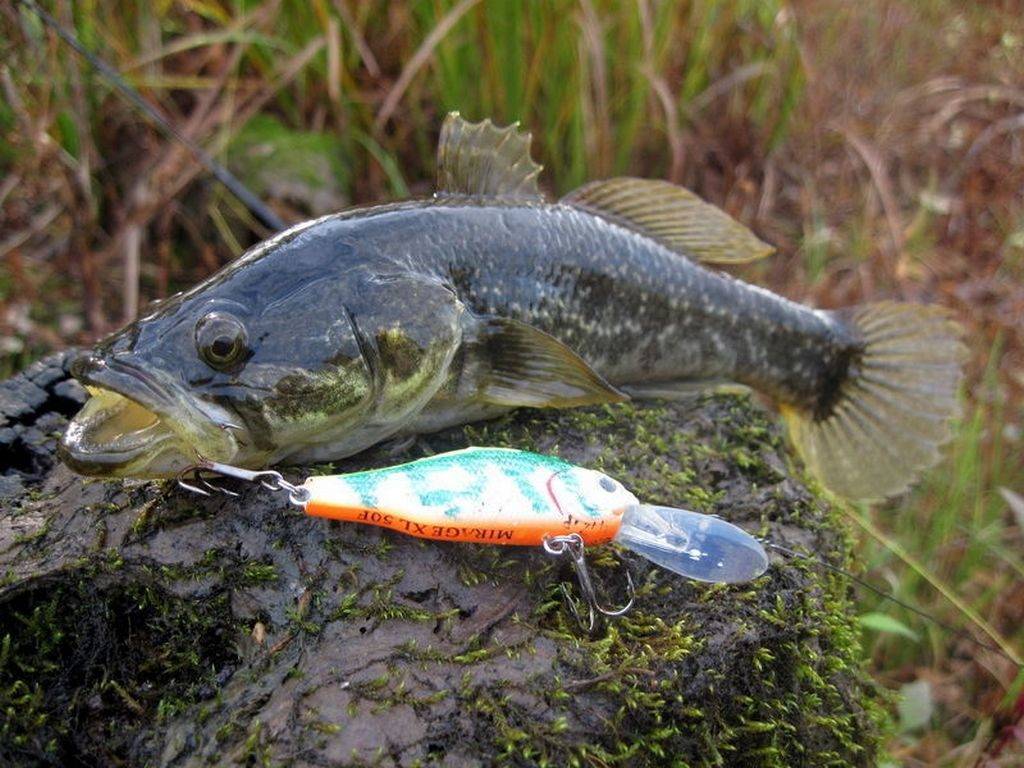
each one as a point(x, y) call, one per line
point(470, 644)
point(785, 686)
point(259, 573)
point(83, 667)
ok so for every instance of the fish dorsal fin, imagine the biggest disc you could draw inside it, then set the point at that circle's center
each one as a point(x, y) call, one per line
point(524, 366)
point(482, 160)
point(673, 216)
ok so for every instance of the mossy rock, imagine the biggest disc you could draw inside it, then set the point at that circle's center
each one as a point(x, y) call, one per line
point(143, 626)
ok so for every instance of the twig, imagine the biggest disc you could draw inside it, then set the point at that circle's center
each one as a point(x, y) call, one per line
point(288, 73)
point(673, 128)
point(8, 185)
point(222, 174)
point(575, 685)
point(596, 117)
point(723, 85)
point(83, 166)
point(152, 204)
point(951, 105)
point(333, 61)
point(419, 58)
point(880, 178)
point(13, 98)
point(130, 285)
point(365, 53)
point(39, 222)
point(768, 188)
point(128, 239)
point(986, 137)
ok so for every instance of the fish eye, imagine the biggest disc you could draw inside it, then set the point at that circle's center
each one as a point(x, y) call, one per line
point(607, 483)
point(221, 339)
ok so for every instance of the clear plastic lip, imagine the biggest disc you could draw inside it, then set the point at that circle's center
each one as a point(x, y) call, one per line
point(694, 545)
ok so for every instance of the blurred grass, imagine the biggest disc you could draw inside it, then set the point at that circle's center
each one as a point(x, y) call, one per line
point(957, 524)
point(580, 75)
point(872, 142)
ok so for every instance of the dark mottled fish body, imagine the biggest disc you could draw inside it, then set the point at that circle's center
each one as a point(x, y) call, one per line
point(405, 318)
point(634, 310)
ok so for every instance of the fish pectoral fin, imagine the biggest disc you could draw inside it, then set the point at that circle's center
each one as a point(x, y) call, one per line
point(481, 159)
point(672, 215)
point(523, 366)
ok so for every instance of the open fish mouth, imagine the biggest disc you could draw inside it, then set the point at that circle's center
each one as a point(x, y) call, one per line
point(135, 423)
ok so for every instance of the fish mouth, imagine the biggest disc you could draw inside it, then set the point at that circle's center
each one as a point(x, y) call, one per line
point(140, 424)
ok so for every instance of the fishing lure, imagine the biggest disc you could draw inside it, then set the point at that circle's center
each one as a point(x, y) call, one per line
point(512, 497)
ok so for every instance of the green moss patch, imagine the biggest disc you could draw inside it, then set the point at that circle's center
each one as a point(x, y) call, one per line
point(85, 669)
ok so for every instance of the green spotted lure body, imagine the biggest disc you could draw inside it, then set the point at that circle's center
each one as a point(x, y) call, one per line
point(510, 497)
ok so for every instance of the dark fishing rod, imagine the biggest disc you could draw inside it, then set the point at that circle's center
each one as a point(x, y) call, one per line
point(256, 206)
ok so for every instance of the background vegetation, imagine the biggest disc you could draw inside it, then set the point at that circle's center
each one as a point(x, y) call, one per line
point(878, 144)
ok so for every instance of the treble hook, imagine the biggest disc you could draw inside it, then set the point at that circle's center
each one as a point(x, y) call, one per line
point(189, 476)
point(191, 479)
point(572, 545)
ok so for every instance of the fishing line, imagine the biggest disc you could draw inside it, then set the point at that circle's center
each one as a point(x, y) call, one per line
point(258, 209)
point(956, 631)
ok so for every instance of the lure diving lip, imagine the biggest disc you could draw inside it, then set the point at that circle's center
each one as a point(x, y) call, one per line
point(694, 545)
point(510, 497)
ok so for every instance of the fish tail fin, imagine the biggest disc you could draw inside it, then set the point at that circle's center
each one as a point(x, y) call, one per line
point(893, 409)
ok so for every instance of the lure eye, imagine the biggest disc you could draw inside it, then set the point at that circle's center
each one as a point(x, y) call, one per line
point(221, 339)
point(607, 483)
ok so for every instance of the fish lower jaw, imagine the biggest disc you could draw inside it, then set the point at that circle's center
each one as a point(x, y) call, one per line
point(116, 436)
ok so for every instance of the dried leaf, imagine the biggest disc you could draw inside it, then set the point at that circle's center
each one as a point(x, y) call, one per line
point(1016, 504)
point(916, 706)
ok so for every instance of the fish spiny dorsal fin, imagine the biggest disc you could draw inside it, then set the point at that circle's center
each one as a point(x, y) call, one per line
point(673, 216)
point(482, 160)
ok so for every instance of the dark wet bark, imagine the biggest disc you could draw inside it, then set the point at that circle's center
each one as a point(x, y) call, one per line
point(143, 626)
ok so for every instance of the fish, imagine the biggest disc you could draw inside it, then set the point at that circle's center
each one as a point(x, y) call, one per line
point(404, 318)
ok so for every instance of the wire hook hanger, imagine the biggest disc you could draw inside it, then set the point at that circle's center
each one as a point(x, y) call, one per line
point(193, 478)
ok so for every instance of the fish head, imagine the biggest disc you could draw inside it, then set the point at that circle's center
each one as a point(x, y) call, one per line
point(212, 381)
point(213, 374)
point(285, 353)
point(588, 493)
point(145, 416)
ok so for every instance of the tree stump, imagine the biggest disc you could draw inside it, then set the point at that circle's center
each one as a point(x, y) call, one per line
point(141, 625)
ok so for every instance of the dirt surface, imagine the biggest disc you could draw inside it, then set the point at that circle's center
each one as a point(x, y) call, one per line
point(140, 625)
